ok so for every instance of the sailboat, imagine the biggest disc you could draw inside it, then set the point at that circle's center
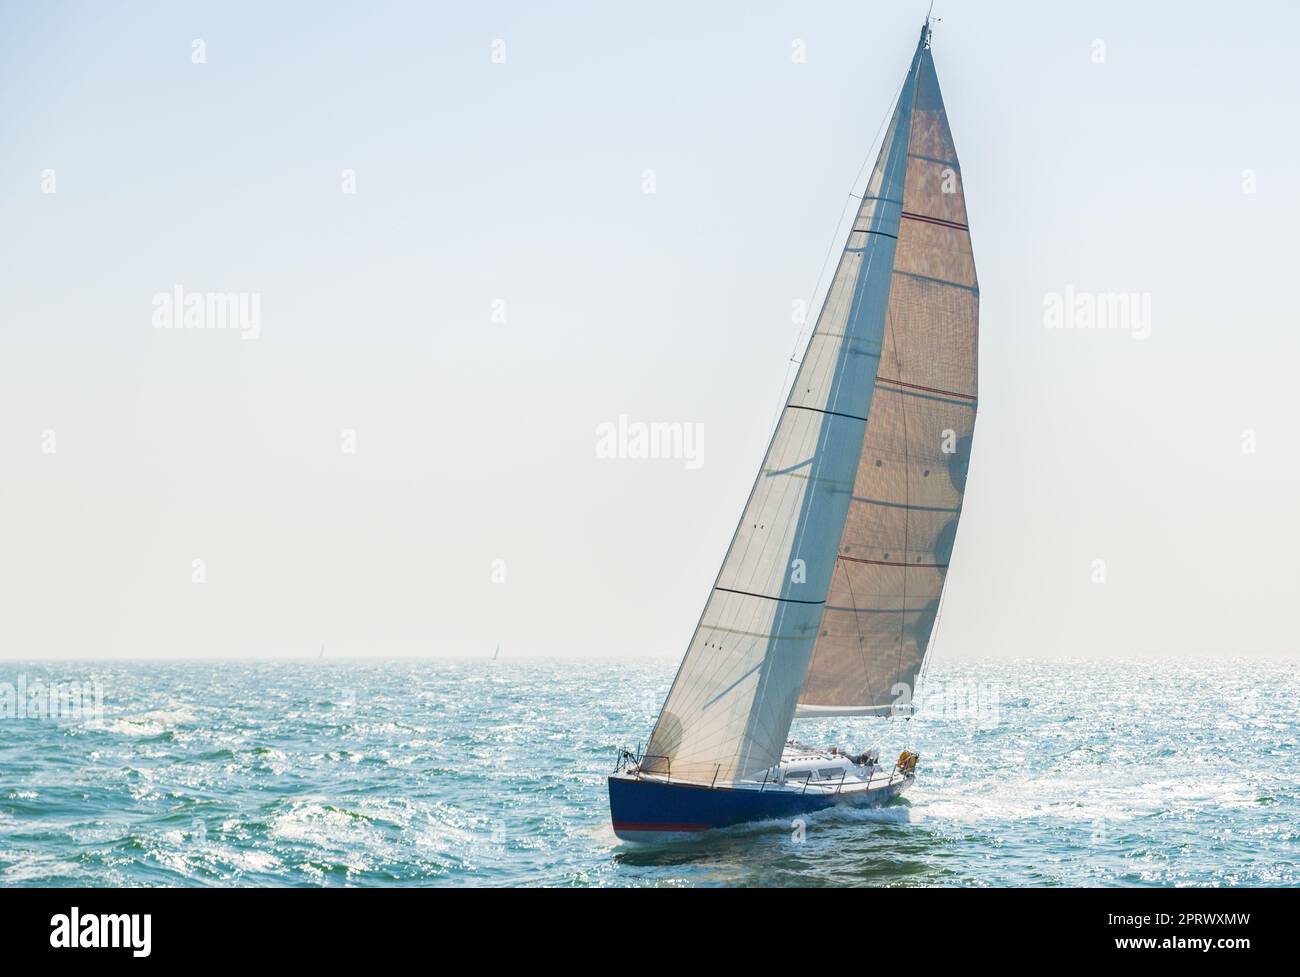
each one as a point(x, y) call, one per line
point(828, 595)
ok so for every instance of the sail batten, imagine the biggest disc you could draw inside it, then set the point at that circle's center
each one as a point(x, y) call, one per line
point(830, 536)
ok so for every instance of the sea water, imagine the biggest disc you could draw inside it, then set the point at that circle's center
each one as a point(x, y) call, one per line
point(414, 772)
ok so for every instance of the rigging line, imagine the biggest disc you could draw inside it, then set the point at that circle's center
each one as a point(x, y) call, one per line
point(890, 106)
point(830, 249)
point(934, 635)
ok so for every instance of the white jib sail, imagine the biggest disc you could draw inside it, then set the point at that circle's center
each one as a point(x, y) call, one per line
point(729, 711)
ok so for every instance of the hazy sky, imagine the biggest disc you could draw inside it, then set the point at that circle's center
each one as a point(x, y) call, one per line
point(499, 156)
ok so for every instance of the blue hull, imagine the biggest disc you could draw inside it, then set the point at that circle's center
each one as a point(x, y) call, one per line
point(643, 809)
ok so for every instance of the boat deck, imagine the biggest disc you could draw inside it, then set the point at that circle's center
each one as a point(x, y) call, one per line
point(876, 781)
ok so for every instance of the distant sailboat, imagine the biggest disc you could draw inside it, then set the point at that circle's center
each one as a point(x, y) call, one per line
point(829, 592)
point(497, 654)
point(322, 653)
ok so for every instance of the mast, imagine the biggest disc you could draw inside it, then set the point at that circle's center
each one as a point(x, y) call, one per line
point(729, 711)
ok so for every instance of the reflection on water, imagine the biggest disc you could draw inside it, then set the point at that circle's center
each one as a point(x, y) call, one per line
point(493, 773)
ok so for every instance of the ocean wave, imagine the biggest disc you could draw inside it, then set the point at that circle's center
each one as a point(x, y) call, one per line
point(439, 773)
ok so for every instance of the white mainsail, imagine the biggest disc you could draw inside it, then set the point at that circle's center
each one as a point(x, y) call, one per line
point(763, 636)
